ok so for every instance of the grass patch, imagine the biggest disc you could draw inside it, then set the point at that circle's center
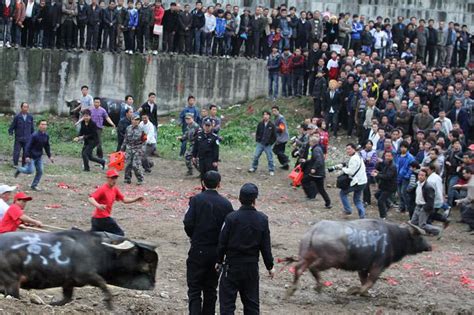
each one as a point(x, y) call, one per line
point(238, 132)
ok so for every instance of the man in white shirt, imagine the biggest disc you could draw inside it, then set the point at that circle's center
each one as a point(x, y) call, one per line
point(446, 124)
point(209, 28)
point(374, 134)
point(5, 194)
point(149, 146)
point(356, 171)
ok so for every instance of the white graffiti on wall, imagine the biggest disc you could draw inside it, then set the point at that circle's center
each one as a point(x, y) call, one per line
point(366, 238)
point(45, 251)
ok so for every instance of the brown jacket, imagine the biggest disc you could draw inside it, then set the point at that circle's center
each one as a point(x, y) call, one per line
point(20, 11)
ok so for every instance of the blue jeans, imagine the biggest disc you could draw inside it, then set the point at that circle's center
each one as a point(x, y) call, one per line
point(268, 152)
point(451, 191)
point(286, 85)
point(273, 78)
point(402, 194)
point(208, 44)
point(28, 169)
point(357, 198)
point(197, 41)
point(5, 29)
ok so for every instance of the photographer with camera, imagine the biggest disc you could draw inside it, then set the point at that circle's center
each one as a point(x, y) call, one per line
point(353, 179)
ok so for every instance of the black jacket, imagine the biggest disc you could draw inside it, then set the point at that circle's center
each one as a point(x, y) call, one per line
point(334, 102)
point(244, 235)
point(198, 19)
point(110, 17)
point(53, 15)
point(245, 23)
point(319, 88)
point(152, 115)
point(145, 17)
point(89, 132)
point(266, 135)
point(185, 21)
point(303, 30)
point(82, 17)
point(387, 176)
point(429, 196)
point(170, 21)
point(206, 146)
point(94, 15)
point(315, 162)
point(205, 216)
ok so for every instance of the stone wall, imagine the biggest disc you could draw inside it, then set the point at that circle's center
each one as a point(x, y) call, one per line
point(461, 11)
point(47, 79)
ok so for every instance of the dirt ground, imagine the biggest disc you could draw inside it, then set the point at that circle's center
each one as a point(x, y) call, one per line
point(441, 281)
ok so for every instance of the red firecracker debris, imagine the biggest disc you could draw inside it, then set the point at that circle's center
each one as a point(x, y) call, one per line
point(327, 283)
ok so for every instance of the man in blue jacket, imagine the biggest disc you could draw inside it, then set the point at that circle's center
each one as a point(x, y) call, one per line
point(190, 108)
point(38, 142)
point(273, 67)
point(356, 33)
point(23, 126)
point(404, 172)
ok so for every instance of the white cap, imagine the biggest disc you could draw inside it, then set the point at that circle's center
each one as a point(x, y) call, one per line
point(5, 188)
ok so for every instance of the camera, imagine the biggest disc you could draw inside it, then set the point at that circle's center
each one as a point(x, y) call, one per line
point(336, 167)
point(293, 140)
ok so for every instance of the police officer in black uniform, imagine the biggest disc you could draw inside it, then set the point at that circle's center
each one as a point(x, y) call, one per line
point(202, 223)
point(244, 235)
point(206, 149)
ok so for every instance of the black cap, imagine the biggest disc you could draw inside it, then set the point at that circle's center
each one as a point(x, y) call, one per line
point(207, 122)
point(248, 192)
point(211, 179)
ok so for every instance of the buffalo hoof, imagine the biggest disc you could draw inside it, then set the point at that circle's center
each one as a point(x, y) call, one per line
point(318, 288)
point(290, 291)
point(60, 302)
point(108, 304)
point(353, 291)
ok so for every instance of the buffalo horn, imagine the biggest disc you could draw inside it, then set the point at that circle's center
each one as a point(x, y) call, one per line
point(125, 245)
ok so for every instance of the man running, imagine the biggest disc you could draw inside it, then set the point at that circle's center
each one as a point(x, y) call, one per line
point(103, 199)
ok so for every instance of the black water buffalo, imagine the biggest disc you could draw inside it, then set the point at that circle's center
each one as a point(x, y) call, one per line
point(111, 106)
point(71, 259)
point(367, 246)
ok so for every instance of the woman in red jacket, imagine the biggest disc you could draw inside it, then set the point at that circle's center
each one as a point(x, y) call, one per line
point(158, 13)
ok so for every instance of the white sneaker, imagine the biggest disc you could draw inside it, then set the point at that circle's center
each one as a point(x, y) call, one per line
point(272, 174)
point(155, 52)
point(251, 170)
point(8, 45)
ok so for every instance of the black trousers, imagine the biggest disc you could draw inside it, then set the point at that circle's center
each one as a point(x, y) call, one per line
point(49, 37)
point(430, 55)
point(382, 201)
point(28, 32)
point(92, 37)
point(100, 152)
point(202, 280)
point(367, 197)
point(205, 164)
point(68, 34)
point(110, 34)
point(279, 150)
point(81, 29)
point(87, 155)
point(169, 41)
point(185, 41)
point(20, 145)
point(318, 106)
point(244, 279)
point(314, 185)
point(106, 225)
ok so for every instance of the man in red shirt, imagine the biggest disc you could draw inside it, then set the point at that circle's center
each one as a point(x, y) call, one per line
point(103, 199)
point(15, 215)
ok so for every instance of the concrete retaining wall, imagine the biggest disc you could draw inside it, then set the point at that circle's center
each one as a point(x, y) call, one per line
point(46, 79)
point(461, 11)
